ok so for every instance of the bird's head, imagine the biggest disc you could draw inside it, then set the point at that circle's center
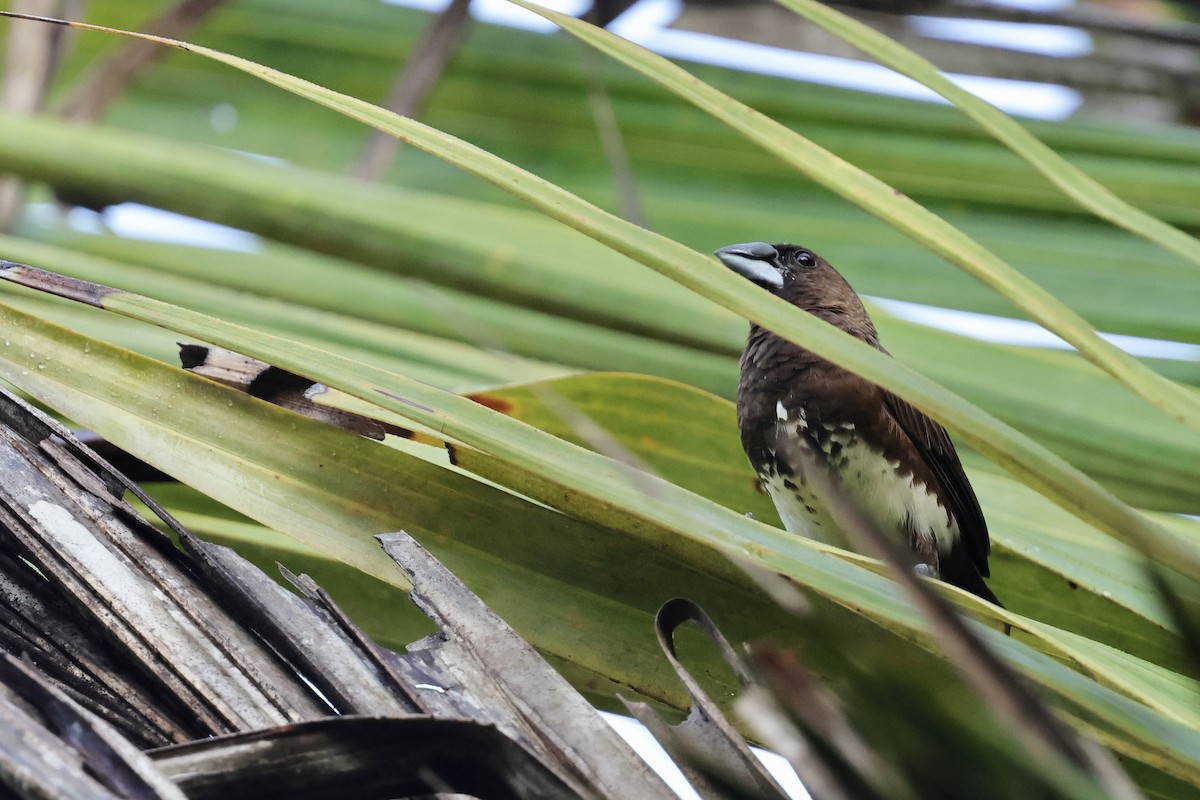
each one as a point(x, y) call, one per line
point(801, 277)
point(782, 269)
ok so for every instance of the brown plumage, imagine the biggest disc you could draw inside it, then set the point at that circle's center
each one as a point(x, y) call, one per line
point(896, 462)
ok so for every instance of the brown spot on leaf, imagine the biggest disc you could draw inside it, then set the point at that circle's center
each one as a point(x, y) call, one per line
point(492, 402)
point(82, 291)
point(451, 452)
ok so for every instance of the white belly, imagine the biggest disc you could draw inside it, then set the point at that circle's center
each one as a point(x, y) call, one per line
point(801, 511)
point(899, 503)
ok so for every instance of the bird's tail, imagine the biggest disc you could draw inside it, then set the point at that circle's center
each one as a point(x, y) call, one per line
point(980, 589)
point(975, 585)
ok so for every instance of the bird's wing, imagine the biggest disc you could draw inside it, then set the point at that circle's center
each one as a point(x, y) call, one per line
point(934, 444)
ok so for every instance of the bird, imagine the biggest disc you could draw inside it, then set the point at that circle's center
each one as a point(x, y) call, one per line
point(797, 410)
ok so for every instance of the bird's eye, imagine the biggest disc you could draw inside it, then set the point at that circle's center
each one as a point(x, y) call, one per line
point(805, 258)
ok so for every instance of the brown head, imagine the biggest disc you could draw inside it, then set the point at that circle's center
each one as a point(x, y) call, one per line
point(801, 277)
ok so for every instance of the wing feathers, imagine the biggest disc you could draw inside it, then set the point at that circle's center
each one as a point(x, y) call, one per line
point(934, 444)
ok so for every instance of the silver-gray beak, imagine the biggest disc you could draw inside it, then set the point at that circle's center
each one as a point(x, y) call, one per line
point(754, 261)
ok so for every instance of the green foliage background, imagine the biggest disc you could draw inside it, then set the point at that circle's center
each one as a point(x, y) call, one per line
point(435, 283)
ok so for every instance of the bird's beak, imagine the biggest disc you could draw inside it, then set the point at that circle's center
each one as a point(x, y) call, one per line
point(754, 261)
